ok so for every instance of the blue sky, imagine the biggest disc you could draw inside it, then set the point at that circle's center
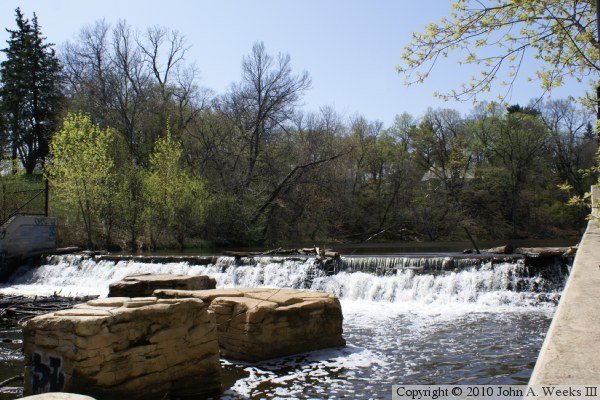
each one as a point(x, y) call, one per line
point(349, 47)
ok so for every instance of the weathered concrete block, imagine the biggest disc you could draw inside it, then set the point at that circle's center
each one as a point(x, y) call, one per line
point(258, 324)
point(140, 348)
point(144, 284)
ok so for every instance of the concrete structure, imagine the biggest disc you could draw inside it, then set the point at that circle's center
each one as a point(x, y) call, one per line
point(570, 354)
point(24, 235)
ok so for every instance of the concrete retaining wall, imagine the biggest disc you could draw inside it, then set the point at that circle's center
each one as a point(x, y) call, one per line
point(26, 234)
point(570, 354)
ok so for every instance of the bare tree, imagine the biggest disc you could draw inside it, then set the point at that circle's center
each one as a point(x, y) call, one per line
point(263, 102)
point(87, 70)
point(133, 82)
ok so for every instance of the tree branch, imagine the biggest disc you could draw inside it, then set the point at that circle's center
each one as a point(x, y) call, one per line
point(289, 176)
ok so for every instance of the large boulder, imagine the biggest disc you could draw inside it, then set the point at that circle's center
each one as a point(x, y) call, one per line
point(144, 284)
point(124, 348)
point(259, 324)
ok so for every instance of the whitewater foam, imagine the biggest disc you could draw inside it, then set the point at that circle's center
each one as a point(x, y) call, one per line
point(480, 324)
point(484, 286)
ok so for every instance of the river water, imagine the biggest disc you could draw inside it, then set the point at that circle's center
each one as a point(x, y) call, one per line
point(473, 322)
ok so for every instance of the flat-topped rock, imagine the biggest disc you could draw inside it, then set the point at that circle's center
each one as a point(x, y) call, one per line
point(260, 323)
point(133, 348)
point(58, 396)
point(144, 284)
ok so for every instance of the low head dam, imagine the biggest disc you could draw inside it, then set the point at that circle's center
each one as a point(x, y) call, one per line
point(487, 314)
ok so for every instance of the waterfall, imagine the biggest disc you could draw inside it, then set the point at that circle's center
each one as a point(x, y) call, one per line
point(414, 281)
point(389, 265)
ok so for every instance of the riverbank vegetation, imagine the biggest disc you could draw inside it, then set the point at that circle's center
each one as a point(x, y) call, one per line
point(141, 155)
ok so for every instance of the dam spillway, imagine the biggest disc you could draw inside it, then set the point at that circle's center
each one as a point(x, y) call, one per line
point(394, 279)
point(407, 320)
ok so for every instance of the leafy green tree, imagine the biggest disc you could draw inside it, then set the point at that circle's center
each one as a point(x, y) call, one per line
point(571, 142)
point(385, 176)
point(176, 202)
point(513, 146)
point(81, 169)
point(443, 148)
point(499, 36)
point(30, 93)
point(132, 202)
point(433, 216)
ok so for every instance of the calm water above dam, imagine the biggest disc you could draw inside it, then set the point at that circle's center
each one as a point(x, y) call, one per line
point(476, 323)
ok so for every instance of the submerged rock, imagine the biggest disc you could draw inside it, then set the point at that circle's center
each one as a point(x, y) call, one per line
point(259, 324)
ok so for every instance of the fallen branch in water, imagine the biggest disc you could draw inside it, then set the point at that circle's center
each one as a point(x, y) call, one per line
point(307, 251)
point(16, 309)
point(9, 380)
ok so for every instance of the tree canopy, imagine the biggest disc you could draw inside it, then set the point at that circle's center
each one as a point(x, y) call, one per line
point(146, 157)
point(499, 36)
point(176, 201)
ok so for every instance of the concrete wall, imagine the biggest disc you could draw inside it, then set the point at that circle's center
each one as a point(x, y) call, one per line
point(27, 234)
point(571, 351)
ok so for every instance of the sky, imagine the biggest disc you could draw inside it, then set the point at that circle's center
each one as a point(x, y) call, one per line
point(350, 48)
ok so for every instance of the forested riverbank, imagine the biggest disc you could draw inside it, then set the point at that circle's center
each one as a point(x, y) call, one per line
point(139, 155)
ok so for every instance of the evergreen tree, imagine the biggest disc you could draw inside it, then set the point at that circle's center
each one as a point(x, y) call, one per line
point(30, 93)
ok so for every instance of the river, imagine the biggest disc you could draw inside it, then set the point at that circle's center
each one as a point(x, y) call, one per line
point(467, 322)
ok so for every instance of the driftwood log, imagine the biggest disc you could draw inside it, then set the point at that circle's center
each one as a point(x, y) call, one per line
point(307, 251)
point(506, 249)
point(531, 252)
point(535, 252)
point(192, 260)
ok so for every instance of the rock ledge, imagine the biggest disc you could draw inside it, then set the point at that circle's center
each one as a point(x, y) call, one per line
point(256, 324)
point(144, 284)
point(119, 347)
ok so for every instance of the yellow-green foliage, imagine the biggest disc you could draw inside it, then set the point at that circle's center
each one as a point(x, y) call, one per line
point(81, 169)
point(176, 201)
point(584, 200)
point(498, 36)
